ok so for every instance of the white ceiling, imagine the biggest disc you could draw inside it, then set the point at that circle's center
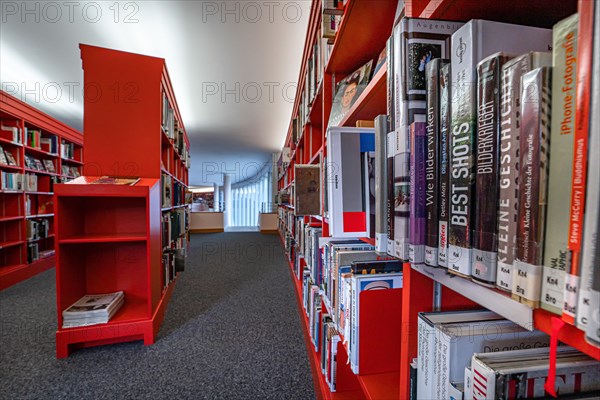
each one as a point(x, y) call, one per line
point(215, 51)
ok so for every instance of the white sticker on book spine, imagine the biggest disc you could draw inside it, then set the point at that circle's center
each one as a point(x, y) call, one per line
point(504, 276)
point(526, 280)
point(552, 287)
point(570, 295)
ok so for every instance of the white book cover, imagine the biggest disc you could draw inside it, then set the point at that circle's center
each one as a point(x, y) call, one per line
point(468, 393)
point(458, 342)
point(426, 355)
point(362, 283)
point(471, 43)
point(349, 203)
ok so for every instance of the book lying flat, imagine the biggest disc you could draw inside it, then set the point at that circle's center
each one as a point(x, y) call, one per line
point(113, 180)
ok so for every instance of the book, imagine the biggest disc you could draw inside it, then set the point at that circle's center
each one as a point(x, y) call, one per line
point(391, 191)
point(93, 309)
point(426, 344)
point(588, 306)
point(3, 160)
point(432, 75)
point(444, 164)
point(349, 198)
point(564, 64)
point(10, 158)
point(522, 373)
point(381, 60)
point(348, 91)
point(509, 144)
point(484, 260)
point(580, 148)
point(456, 343)
point(381, 183)
point(308, 189)
point(373, 267)
point(471, 43)
point(113, 180)
point(401, 194)
point(533, 177)
point(359, 284)
point(49, 165)
point(418, 155)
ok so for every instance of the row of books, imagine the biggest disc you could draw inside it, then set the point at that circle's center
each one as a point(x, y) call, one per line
point(35, 205)
point(175, 225)
point(18, 182)
point(174, 131)
point(37, 229)
point(476, 354)
point(39, 165)
point(11, 131)
point(67, 150)
point(476, 175)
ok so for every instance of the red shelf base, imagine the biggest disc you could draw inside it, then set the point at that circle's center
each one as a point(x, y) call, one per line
point(12, 275)
point(119, 330)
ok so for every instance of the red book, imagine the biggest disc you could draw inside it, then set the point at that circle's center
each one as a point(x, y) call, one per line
point(582, 119)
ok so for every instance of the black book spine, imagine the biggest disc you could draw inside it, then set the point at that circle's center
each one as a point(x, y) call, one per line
point(444, 165)
point(485, 209)
point(432, 76)
point(391, 148)
point(376, 267)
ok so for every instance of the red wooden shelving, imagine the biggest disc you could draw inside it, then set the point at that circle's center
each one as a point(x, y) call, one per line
point(14, 263)
point(110, 237)
point(364, 30)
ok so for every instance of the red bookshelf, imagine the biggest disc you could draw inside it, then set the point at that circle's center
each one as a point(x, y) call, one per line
point(115, 237)
point(23, 255)
point(362, 34)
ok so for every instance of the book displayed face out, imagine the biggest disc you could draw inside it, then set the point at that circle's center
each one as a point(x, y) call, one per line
point(348, 90)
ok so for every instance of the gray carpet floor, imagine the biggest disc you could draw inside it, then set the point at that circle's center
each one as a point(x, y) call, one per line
point(231, 331)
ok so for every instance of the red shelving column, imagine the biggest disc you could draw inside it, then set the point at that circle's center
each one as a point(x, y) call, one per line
point(133, 128)
point(30, 165)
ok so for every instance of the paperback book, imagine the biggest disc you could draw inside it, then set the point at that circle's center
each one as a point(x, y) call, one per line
point(93, 309)
point(444, 164)
point(417, 224)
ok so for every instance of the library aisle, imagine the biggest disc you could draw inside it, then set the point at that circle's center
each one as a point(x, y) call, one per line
point(231, 331)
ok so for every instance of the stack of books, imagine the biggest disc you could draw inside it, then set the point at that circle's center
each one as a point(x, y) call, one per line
point(93, 309)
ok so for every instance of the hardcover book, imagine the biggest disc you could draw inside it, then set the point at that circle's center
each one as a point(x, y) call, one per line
point(381, 183)
point(533, 177)
point(401, 193)
point(485, 210)
point(427, 366)
point(391, 191)
point(562, 132)
point(444, 164)
point(580, 153)
point(509, 144)
point(308, 189)
point(432, 75)
point(418, 154)
point(588, 306)
point(521, 374)
point(348, 186)
point(348, 91)
point(470, 44)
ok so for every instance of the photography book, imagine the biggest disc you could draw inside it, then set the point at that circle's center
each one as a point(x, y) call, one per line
point(348, 91)
point(509, 144)
point(473, 42)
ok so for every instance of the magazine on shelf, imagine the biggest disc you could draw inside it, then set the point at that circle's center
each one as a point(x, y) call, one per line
point(113, 180)
point(93, 309)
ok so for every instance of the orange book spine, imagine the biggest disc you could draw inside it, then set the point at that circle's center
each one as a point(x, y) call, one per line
point(584, 70)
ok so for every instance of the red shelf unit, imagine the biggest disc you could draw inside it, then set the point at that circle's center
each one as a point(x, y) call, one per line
point(20, 207)
point(109, 240)
point(363, 31)
point(110, 237)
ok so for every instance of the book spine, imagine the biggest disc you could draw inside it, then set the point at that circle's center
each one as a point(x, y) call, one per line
point(483, 380)
point(582, 115)
point(484, 259)
point(509, 168)
point(588, 307)
point(444, 170)
point(418, 150)
point(390, 82)
point(462, 93)
point(533, 176)
point(425, 359)
point(564, 64)
point(381, 131)
point(391, 191)
point(402, 190)
point(432, 76)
